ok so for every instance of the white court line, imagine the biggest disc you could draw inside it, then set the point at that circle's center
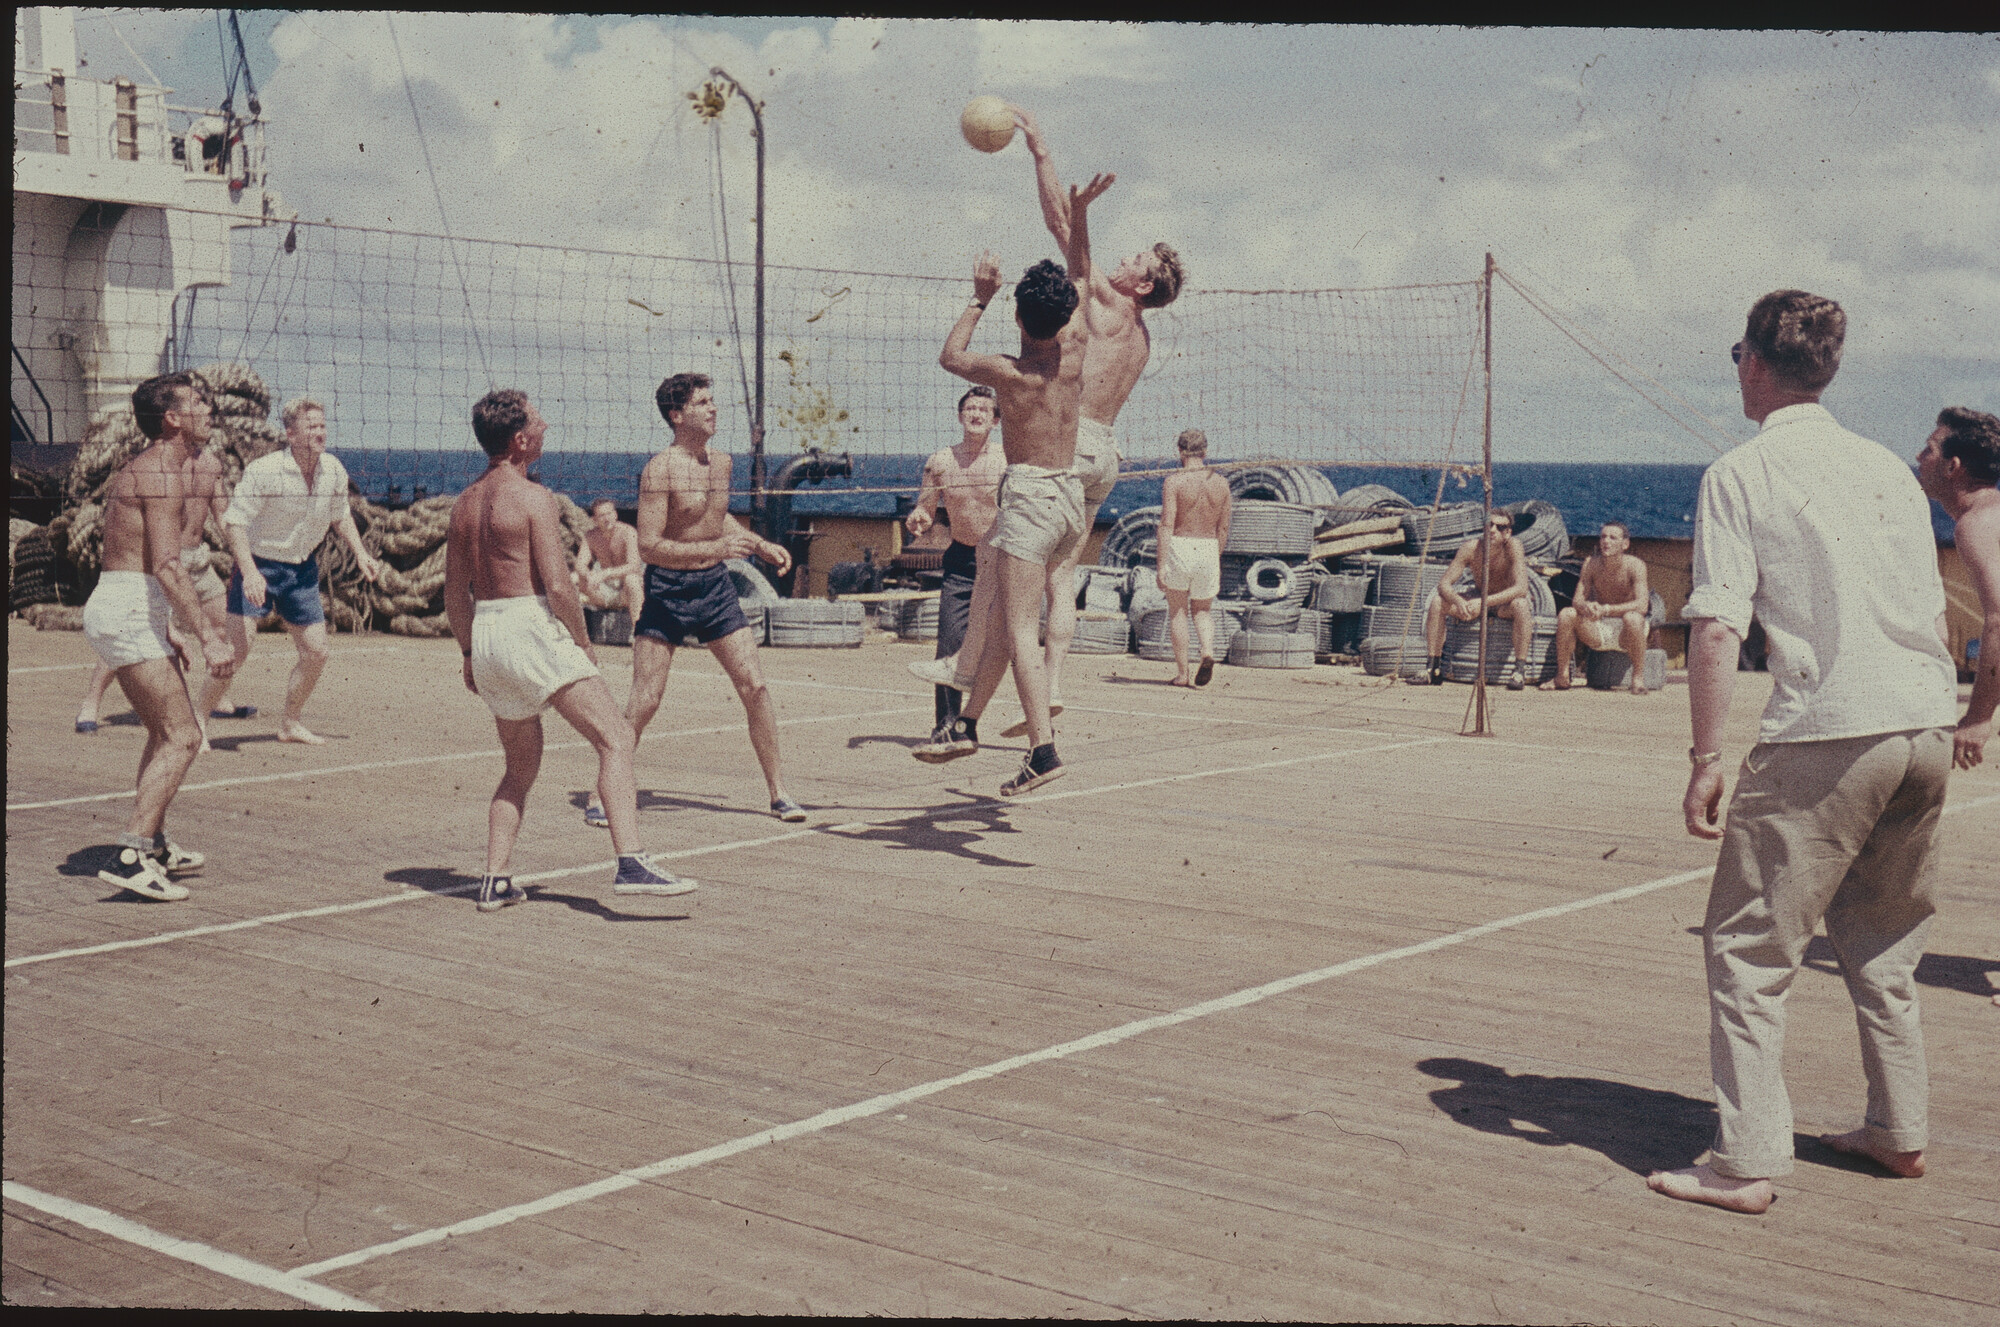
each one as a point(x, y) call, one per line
point(77, 668)
point(293, 775)
point(383, 900)
point(201, 1255)
point(839, 1115)
point(297, 1282)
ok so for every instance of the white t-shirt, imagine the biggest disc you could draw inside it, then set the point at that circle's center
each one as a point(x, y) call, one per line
point(285, 519)
point(1826, 538)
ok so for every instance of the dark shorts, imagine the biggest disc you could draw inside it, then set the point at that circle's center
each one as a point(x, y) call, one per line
point(690, 607)
point(292, 588)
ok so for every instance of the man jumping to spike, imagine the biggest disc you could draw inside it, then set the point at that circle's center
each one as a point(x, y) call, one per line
point(1041, 499)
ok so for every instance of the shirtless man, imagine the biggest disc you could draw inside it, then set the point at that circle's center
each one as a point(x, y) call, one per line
point(1194, 525)
point(966, 478)
point(685, 535)
point(520, 629)
point(203, 480)
point(609, 571)
point(1501, 577)
point(143, 582)
point(1959, 466)
point(1041, 498)
point(1114, 307)
point(1609, 609)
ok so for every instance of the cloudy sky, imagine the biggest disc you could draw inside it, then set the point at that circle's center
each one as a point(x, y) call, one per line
point(1648, 184)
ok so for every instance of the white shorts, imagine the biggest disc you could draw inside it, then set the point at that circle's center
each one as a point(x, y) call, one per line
point(126, 618)
point(1193, 565)
point(1096, 462)
point(1041, 514)
point(522, 654)
point(1606, 633)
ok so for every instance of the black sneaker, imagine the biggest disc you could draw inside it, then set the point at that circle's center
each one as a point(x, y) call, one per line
point(1039, 767)
point(1437, 670)
point(639, 874)
point(948, 742)
point(142, 874)
point(499, 891)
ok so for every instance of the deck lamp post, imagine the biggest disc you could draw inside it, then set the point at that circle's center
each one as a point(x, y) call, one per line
point(709, 104)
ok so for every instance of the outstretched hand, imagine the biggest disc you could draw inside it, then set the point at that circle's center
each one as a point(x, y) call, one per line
point(1026, 119)
point(1093, 191)
point(985, 276)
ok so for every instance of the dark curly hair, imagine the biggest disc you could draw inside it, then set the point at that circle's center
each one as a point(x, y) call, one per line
point(1973, 436)
point(674, 393)
point(1044, 300)
point(152, 399)
point(1799, 335)
point(497, 417)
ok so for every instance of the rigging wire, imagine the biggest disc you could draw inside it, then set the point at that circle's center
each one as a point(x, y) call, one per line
point(1542, 306)
point(451, 245)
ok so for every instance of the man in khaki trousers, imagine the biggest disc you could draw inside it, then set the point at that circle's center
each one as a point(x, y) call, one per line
point(1825, 538)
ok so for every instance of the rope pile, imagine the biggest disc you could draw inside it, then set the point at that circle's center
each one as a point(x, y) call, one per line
point(408, 596)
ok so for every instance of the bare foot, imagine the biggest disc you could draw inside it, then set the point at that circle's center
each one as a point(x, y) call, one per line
point(1700, 1184)
point(1639, 689)
point(1554, 684)
point(1182, 682)
point(298, 732)
point(1909, 1165)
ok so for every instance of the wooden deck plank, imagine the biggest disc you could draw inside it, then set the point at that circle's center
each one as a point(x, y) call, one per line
point(1294, 1158)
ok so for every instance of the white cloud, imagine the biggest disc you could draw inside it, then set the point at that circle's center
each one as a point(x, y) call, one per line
point(1037, 53)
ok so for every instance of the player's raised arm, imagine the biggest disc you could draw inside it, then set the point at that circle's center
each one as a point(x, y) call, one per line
point(990, 370)
point(1077, 251)
point(1055, 203)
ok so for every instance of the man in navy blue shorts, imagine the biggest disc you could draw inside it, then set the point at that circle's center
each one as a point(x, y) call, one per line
point(685, 535)
point(283, 507)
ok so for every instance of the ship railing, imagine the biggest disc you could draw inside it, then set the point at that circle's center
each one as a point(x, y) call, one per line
point(119, 120)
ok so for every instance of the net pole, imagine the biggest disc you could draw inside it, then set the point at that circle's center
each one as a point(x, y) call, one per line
point(1481, 721)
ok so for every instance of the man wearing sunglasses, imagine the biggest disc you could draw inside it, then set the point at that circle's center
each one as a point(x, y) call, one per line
point(1499, 572)
point(1824, 537)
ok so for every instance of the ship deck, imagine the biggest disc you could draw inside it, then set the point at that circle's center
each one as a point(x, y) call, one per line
point(1287, 1002)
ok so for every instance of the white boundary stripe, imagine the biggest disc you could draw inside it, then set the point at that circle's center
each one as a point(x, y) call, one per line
point(187, 1250)
point(76, 668)
point(876, 1105)
point(384, 900)
point(362, 905)
point(294, 775)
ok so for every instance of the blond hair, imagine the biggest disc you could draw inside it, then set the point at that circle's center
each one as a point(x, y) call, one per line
point(297, 406)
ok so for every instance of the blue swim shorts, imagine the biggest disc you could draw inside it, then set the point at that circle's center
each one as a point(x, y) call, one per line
point(290, 587)
point(690, 607)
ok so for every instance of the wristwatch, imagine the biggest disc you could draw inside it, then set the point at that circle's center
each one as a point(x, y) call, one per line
point(1700, 758)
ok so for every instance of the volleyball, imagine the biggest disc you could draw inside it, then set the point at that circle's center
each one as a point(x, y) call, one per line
point(987, 123)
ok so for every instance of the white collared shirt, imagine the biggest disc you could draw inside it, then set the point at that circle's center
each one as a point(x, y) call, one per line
point(1826, 538)
point(286, 519)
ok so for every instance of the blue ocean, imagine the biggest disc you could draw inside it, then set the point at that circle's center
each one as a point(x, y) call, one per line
point(1656, 501)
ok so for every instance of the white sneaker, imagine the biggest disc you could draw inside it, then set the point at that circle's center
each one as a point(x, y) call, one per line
point(140, 873)
point(938, 672)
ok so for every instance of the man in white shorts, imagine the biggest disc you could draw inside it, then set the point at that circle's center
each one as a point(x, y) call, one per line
point(126, 623)
point(609, 571)
point(1609, 608)
point(520, 629)
point(202, 479)
point(1115, 301)
point(1194, 525)
point(1041, 499)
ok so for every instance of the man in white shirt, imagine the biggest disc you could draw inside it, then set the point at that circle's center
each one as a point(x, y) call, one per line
point(1826, 538)
point(283, 507)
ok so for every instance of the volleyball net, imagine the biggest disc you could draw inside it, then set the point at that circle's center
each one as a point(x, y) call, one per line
point(397, 334)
